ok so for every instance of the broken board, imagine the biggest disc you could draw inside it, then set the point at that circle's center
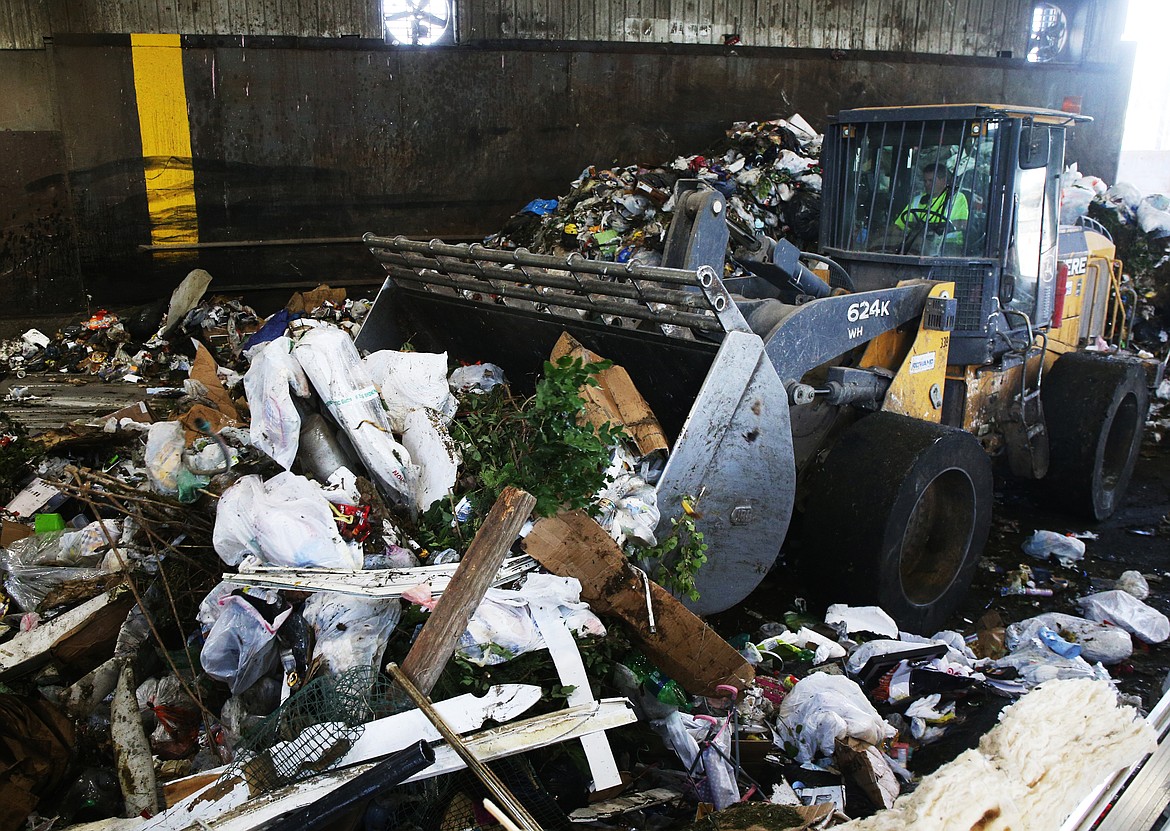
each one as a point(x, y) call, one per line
point(680, 644)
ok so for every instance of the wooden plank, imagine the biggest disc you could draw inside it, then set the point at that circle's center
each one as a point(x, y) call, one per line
point(30, 650)
point(679, 643)
point(483, 558)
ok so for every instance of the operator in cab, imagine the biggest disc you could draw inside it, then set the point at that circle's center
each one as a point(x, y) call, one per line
point(937, 216)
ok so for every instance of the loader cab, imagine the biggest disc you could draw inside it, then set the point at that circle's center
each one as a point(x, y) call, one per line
point(968, 193)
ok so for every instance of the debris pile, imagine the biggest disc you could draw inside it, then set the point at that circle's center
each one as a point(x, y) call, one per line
point(768, 170)
point(312, 579)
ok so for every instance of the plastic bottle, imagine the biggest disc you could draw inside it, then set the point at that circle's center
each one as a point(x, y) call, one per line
point(654, 682)
point(1057, 644)
point(778, 646)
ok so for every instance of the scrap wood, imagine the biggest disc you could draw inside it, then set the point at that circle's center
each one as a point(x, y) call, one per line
point(132, 753)
point(615, 400)
point(489, 745)
point(66, 633)
point(465, 713)
point(440, 634)
point(572, 544)
point(38, 742)
point(388, 582)
point(619, 805)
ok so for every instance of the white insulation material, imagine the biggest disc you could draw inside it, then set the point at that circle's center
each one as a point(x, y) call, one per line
point(1049, 749)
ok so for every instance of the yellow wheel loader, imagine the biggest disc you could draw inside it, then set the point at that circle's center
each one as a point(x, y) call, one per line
point(942, 325)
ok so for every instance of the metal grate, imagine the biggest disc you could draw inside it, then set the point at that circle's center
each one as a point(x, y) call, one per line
point(973, 290)
point(680, 302)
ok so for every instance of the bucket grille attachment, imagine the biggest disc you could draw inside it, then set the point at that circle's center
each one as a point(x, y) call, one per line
point(682, 304)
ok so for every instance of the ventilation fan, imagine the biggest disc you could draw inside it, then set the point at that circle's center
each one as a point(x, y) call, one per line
point(1049, 34)
point(416, 22)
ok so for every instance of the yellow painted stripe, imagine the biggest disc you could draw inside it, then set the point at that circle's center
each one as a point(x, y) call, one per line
point(166, 138)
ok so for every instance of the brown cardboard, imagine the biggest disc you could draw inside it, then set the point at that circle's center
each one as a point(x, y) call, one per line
point(868, 768)
point(204, 370)
point(571, 544)
point(306, 301)
point(13, 531)
point(139, 412)
point(616, 400)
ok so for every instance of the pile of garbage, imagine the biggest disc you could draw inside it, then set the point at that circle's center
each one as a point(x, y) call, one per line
point(257, 606)
point(1140, 227)
point(768, 170)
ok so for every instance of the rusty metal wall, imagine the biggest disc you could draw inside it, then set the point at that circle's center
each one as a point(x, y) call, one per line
point(946, 27)
point(293, 143)
point(954, 27)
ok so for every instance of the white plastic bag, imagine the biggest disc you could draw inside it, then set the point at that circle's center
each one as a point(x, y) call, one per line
point(285, 521)
point(627, 505)
point(1099, 642)
point(1135, 583)
point(410, 381)
point(1074, 202)
point(337, 373)
point(1153, 215)
point(823, 708)
point(240, 647)
point(1043, 544)
point(350, 632)
point(1036, 664)
point(1123, 609)
point(502, 626)
point(434, 451)
point(270, 382)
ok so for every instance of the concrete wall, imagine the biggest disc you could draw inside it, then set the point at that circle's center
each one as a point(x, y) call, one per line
point(307, 139)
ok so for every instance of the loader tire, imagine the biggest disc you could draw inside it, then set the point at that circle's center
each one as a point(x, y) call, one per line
point(1095, 410)
point(897, 517)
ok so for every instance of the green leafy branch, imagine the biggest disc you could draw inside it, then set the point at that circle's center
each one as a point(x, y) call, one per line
point(678, 558)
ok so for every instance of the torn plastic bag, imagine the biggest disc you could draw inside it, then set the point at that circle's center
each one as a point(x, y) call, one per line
point(1153, 215)
point(1045, 544)
point(822, 708)
point(1135, 583)
point(681, 733)
point(1036, 663)
point(477, 378)
point(270, 383)
point(37, 565)
point(1099, 642)
point(241, 646)
point(502, 626)
point(410, 381)
point(350, 632)
point(1123, 609)
point(166, 441)
point(627, 505)
point(332, 363)
point(434, 451)
point(285, 521)
point(1074, 203)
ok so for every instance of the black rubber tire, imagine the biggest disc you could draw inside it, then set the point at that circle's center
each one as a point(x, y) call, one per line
point(897, 517)
point(1095, 410)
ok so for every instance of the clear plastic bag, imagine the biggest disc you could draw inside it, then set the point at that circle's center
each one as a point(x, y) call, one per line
point(165, 443)
point(1099, 642)
point(1045, 544)
point(272, 379)
point(241, 646)
point(477, 378)
point(350, 632)
point(37, 565)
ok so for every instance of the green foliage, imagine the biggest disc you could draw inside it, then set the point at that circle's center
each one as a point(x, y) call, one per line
point(542, 445)
point(16, 451)
point(678, 558)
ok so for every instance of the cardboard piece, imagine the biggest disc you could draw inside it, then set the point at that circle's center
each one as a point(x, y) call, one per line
point(306, 301)
point(616, 400)
point(868, 768)
point(572, 544)
point(990, 636)
point(204, 369)
point(13, 531)
point(139, 412)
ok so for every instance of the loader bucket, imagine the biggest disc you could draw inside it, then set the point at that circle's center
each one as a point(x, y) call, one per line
point(678, 333)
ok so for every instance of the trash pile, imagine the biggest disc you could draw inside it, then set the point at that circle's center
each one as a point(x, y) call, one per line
point(768, 170)
point(315, 579)
point(1140, 227)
